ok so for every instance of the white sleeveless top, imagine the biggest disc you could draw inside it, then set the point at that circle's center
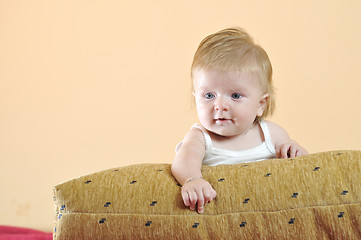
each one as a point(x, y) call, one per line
point(216, 156)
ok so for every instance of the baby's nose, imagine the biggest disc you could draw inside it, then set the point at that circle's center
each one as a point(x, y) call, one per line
point(221, 105)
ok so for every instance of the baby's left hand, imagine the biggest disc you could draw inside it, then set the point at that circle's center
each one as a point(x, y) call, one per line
point(290, 150)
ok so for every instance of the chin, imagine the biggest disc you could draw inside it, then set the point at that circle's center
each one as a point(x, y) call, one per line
point(224, 132)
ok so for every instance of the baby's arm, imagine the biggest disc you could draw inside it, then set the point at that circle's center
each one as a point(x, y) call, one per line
point(186, 168)
point(285, 147)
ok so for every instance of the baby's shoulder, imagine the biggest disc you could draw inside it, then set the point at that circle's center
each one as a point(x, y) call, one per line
point(278, 133)
point(195, 134)
point(273, 127)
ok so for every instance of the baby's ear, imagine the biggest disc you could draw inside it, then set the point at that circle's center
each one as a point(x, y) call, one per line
point(262, 104)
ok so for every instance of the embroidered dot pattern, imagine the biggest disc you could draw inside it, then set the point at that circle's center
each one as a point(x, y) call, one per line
point(246, 200)
point(340, 215)
point(316, 169)
point(197, 224)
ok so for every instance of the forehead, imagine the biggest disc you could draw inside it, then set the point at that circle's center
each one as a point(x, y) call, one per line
point(203, 79)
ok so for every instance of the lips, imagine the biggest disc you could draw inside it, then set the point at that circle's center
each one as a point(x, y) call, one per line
point(222, 120)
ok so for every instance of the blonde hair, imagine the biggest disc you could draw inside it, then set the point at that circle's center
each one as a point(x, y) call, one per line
point(233, 49)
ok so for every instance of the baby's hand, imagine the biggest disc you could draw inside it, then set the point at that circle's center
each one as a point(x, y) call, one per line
point(290, 150)
point(197, 192)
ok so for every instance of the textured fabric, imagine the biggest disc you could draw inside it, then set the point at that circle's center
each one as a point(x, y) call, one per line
point(215, 156)
point(317, 196)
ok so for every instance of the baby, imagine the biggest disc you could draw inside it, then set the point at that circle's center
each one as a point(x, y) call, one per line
point(232, 86)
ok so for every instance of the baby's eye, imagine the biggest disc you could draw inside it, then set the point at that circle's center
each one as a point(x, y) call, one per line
point(236, 95)
point(209, 95)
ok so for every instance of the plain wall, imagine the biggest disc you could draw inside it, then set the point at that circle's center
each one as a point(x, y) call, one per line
point(90, 85)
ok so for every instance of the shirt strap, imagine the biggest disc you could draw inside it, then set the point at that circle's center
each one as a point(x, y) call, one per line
point(267, 136)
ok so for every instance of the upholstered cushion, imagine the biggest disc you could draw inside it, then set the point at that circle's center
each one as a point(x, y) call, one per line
point(310, 197)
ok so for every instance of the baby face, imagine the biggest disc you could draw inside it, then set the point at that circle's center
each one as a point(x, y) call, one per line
point(228, 102)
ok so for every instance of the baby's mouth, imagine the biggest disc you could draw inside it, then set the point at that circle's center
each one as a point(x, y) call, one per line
point(222, 120)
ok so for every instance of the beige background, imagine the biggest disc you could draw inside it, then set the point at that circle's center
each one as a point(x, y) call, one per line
point(91, 85)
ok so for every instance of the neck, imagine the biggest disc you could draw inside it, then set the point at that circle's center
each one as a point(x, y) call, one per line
point(216, 136)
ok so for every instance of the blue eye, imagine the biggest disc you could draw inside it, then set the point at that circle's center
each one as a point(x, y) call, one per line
point(209, 95)
point(236, 95)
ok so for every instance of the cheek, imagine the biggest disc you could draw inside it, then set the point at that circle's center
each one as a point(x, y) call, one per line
point(201, 106)
point(203, 111)
point(244, 111)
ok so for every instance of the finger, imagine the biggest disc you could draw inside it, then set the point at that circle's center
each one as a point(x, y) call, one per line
point(200, 201)
point(207, 193)
point(298, 153)
point(209, 196)
point(279, 152)
point(193, 200)
point(301, 152)
point(293, 150)
point(284, 151)
point(185, 197)
point(214, 194)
